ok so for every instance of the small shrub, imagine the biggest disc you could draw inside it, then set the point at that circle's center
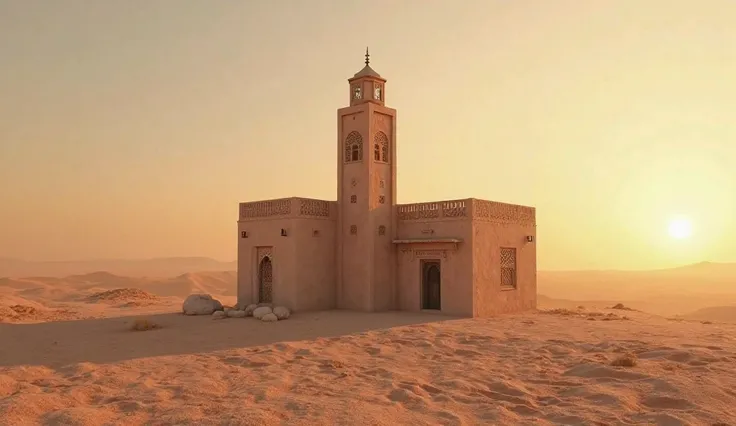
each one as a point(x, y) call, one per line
point(144, 324)
point(628, 360)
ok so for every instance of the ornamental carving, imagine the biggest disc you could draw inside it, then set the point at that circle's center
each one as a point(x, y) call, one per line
point(319, 208)
point(380, 141)
point(431, 253)
point(353, 147)
point(502, 212)
point(262, 252)
point(265, 208)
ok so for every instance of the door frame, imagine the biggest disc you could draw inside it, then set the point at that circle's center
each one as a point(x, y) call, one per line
point(259, 273)
point(424, 266)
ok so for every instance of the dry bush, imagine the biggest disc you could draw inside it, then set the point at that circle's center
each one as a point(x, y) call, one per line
point(628, 360)
point(144, 324)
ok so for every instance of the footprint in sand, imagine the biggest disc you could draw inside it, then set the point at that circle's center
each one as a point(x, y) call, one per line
point(403, 396)
point(373, 350)
point(666, 403)
point(597, 371)
point(467, 353)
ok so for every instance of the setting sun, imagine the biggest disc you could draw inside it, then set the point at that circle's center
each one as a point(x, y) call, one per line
point(680, 228)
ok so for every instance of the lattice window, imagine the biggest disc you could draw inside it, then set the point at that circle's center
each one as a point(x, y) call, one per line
point(508, 267)
point(353, 147)
point(353, 199)
point(377, 152)
point(353, 229)
point(381, 230)
point(381, 199)
point(381, 140)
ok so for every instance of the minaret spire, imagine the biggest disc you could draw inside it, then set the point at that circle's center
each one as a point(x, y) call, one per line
point(367, 56)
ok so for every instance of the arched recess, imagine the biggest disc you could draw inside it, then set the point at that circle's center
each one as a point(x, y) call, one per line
point(380, 140)
point(353, 147)
point(265, 280)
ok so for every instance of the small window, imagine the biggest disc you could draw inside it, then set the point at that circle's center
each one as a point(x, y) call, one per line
point(381, 199)
point(381, 230)
point(381, 183)
point(353, 199)
point(381, 141)
point(353, 147)
point(377, 152)
point(508, 267)
point(353, 229)
point(315, 232)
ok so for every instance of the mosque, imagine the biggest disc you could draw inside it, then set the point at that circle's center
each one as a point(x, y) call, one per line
point(365, 252)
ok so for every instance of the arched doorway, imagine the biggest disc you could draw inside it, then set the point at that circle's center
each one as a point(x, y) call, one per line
point(265, 281)
point(431, 285)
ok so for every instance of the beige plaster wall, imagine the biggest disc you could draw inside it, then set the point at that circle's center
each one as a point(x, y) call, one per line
point(489, 297)
point(315, 263)
point(382, 198)
point(455, 264)
point(267, 233)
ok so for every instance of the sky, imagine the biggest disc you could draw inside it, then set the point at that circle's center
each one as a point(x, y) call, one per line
point(133, 129)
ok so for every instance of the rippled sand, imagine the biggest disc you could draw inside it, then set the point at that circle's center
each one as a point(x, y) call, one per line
point(348, 368)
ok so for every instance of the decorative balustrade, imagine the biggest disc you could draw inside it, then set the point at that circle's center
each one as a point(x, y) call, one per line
point(494, 211)
point(286, 207)
point(434, 210)
point(312, 207)
point(490, 211)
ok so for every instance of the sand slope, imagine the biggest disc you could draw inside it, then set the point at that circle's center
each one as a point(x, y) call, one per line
point(522, 369)
point(102, 294)
point(68, 356)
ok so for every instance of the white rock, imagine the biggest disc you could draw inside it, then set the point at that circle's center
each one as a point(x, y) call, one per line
point(219, 315)
point(260, 312)
point(249, 309)
point(269, 317)
point(234, 313)
point(201, 304)
point(281, 312)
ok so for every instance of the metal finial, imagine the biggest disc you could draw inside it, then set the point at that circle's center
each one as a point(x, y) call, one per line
point(367, 56)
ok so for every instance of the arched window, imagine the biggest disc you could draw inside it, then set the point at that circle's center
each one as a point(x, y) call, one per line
point(376, 152)
point(381, 141)
point(353, 147)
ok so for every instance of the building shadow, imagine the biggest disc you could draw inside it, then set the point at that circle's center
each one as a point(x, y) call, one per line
point(107, 340)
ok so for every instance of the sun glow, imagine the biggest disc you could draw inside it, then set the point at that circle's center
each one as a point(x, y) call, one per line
point(680, 228)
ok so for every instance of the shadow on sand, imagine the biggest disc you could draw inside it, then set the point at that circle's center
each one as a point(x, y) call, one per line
point(106, 340)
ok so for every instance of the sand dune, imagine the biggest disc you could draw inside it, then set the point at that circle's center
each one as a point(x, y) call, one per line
point(74, 360)
point(342, 368)
point(159, 267)
point(102, 294)
point(714, 313)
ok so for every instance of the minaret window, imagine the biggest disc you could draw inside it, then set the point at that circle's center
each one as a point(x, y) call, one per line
point(381, 143)
point(353, 147)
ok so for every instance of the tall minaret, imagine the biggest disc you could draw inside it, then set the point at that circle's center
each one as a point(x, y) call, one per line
point(366, 196)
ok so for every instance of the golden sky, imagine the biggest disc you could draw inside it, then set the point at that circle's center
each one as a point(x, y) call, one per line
point(132, 129)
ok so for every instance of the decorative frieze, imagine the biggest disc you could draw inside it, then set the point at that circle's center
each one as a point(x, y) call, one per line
point(494, 211)
point(309, 207)
point(270, 208)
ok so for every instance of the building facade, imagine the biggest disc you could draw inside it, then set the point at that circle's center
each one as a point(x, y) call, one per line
point(365, 252)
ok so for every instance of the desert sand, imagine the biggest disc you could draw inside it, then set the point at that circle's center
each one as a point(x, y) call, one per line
point(69, 357)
